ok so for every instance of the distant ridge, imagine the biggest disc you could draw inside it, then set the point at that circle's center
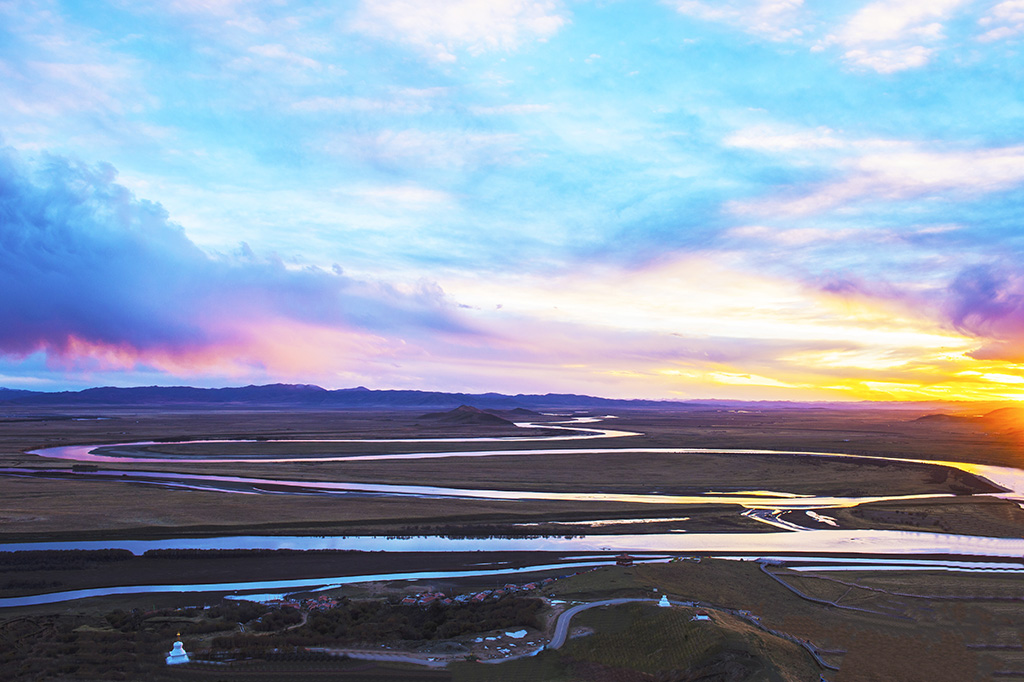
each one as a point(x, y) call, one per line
point(1003, 417)
point(10, 393)
point(360, 397)
point(307, 395)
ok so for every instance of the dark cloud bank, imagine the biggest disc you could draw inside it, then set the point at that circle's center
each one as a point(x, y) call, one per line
point(988, 301)
point(82, 259)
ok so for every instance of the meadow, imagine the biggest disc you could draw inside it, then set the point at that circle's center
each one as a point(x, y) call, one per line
point(869, 625)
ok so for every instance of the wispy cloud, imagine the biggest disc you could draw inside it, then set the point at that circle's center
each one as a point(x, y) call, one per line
point(771, 138)
point(442, 28)
point(773, 19)
point(901, 172)
point(402, 194)
point(511, 109)
point(273, 51)
point(893, 36)
point(442, 148)
point(397, 105)
point(1004, 20)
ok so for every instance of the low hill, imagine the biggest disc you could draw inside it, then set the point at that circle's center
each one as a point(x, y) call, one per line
point(467, 414)
point(942, 419)
point(1006, 415)
point(666, 644)
point(1002, 420)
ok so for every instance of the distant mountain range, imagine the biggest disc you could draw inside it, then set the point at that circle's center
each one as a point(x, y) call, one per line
point(305, 395)
point(310, 396)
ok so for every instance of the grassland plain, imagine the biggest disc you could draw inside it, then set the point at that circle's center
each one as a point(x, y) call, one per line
point(668, 643)
point(915, 627)
point(900, 627)
point(38, 509)
point(921, 636)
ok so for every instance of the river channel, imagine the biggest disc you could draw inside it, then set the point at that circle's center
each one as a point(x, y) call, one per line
point(823, 549)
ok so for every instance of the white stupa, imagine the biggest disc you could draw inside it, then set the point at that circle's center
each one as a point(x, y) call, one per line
point(177, 655)
point(664, 601)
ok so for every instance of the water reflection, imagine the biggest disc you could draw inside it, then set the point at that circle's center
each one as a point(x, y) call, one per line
point(278, 486)
point(1011, 480)
point(814, 541)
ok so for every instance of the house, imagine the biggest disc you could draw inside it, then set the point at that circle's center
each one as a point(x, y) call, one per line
point(623, 560)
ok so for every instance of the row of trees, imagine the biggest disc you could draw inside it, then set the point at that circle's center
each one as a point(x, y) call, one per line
point(371, 621)
point(60, 559)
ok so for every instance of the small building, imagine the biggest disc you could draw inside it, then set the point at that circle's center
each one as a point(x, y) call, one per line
point(701, 615)
point(177, 655)
point(624, 560)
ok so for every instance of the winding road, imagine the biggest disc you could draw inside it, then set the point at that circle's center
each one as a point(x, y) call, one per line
point(562, 625)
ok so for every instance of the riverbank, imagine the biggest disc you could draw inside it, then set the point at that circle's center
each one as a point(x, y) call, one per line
point(943, 626)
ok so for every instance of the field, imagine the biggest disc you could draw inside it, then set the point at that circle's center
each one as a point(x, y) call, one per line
point(869, 625)
point(43, 509)
point(921, 626)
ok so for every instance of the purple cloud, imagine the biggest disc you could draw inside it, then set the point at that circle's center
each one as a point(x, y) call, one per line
point(987, 301)
point(85, 263)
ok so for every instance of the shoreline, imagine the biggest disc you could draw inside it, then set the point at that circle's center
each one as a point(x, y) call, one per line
point(212, 572)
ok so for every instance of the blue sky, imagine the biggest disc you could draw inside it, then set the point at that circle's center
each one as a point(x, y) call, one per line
point(763, 199)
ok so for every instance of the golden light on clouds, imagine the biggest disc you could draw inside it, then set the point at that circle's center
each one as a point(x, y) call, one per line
point(710, 324)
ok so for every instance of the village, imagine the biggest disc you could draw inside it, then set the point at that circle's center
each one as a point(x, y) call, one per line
point(501, 644)
point(326, 602)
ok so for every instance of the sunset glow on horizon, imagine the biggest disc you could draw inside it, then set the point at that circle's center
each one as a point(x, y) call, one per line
point(749, 199)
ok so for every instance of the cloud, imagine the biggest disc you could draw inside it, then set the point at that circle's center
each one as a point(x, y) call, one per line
point(899, 173)
point(345, 104)
point(772, 139)
point(208, 7)
point(987, 301)
point(792, 237)
point(438, 149)
point(890, 60)
point(441, 28)
point(280, 52)
point(403, 194)
point(1005, 20)
point(886, 36)
point(893, 35)
point(92, 273)
point(511, 109)
point(773, 19)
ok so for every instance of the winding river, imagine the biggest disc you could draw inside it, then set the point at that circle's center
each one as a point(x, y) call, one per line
point(810, 547)
point(1010, 479)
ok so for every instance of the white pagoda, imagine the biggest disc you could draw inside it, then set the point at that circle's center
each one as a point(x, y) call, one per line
point(664, 601)
point(177, 655)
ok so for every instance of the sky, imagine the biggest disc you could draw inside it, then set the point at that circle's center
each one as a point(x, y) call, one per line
point(752, 199)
